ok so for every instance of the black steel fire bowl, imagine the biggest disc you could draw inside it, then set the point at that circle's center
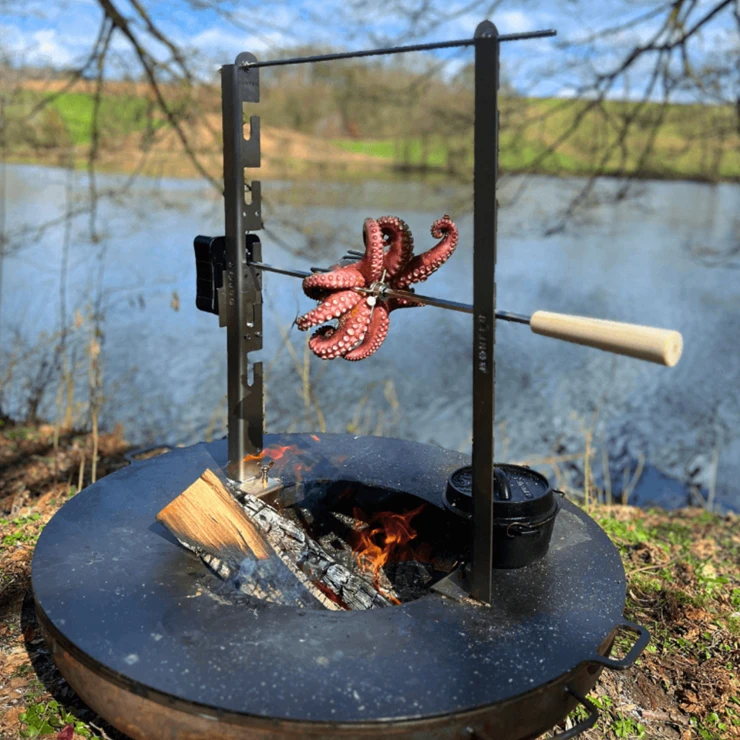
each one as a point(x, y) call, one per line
point(142, 631)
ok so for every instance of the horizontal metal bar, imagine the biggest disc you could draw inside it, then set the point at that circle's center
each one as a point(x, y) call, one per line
point(394, 50)
point(282, 270)
point(425, 300)
point(517, 318)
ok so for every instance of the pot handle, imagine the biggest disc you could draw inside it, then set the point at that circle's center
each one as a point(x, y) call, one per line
point(586, 724)
point(634, 652)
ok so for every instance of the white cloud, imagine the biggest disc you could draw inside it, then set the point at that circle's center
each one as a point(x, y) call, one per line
point(43, 47)
point(48, 49)
point(218, 43)
point(513, 21)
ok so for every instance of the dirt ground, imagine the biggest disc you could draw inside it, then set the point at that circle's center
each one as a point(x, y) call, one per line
point(683, 584)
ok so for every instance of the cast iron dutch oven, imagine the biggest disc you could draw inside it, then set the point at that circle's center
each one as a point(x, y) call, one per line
point(524, 511)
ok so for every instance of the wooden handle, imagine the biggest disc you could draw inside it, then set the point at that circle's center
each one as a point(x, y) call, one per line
point(662, 346)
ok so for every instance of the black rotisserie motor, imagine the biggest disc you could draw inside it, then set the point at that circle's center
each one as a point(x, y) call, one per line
point(524, 511)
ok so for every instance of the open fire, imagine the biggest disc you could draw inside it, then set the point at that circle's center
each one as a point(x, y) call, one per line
point(393, 541)
point(353, 545)
point(387, 537)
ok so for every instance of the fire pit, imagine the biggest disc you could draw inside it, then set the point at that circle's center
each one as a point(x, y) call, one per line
point(152, 639)
point(493, 605)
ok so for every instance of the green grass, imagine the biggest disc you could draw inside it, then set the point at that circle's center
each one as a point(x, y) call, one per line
point(21, 535)
point(694, 142)
point(409, 151)
point(48, 718)
point(119, 114)
point(68, 118)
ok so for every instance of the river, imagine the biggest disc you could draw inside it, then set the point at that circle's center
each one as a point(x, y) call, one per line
point(667, 255)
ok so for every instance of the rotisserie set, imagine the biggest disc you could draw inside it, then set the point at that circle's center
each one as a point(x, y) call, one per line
point(370, 587)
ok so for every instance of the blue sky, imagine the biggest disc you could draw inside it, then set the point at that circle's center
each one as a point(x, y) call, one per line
point(61, 33)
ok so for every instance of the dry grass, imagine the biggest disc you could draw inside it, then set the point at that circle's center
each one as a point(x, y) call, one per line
point(40, 470)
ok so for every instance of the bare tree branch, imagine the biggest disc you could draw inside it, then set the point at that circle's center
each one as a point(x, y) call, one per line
point(149, 68)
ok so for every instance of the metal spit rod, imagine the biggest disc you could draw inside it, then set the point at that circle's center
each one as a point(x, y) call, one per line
point(425, 300)
point(661, 346)
point(395, 50)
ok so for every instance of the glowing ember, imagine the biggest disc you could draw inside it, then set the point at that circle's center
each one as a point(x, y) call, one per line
point(387, 538)
point(273, 453)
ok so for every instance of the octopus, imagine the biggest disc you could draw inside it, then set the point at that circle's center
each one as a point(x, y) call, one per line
point(353, 311)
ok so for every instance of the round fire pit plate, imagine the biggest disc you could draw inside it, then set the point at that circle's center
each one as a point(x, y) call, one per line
point(136, 624)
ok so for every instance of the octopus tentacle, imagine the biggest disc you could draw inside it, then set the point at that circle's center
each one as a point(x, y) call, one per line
point(333, 306)
point(400, 243)
point(423, 265)
point(363, 272)
point(371, 265)
point(377, 331)
point(318, 285)
point(329, 342)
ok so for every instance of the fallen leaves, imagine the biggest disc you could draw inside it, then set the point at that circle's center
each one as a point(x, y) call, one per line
point(36, 481)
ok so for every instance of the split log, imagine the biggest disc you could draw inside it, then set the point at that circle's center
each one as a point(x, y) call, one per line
point(205, 516)
point(206, 519)
point(261, 553)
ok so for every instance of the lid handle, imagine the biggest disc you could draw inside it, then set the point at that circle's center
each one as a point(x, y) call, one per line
point(501, 487)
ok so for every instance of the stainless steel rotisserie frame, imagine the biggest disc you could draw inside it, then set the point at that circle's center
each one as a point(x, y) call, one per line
point(240, 301)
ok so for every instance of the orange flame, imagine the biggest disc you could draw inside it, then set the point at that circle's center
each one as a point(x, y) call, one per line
point(273, 453)
point(386, 539)
point(286, 457)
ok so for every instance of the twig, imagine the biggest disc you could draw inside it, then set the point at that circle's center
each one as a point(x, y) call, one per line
point(656, 566)
point(95, 134)
point(149, 69)
point(713, 478)
point(81, 474)
point(303, 370)
point(627, 490)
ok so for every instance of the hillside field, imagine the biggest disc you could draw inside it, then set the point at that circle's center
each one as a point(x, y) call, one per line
point(49, 126)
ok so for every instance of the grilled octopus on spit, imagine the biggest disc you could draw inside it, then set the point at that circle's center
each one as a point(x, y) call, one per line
point(362, 318)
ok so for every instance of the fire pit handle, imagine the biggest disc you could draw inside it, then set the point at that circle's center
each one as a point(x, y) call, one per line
point(586, 724)
point(634, 652)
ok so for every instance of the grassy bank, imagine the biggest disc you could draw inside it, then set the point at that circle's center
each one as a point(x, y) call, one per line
point(693, 142)
point(683, 571)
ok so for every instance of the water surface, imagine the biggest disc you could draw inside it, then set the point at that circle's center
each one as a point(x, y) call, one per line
point(662, 257)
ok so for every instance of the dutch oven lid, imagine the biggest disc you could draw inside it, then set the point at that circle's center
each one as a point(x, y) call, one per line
point(518, 493)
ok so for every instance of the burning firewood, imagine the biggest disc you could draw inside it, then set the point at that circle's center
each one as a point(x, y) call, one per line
point(260, 552)
point(352, 590)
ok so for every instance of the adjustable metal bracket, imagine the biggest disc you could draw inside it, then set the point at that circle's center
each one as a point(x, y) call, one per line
point(237, 296)
point(240, 294)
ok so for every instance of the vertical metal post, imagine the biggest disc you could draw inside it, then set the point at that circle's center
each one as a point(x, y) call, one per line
point(240, 300)
point(485, 207)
